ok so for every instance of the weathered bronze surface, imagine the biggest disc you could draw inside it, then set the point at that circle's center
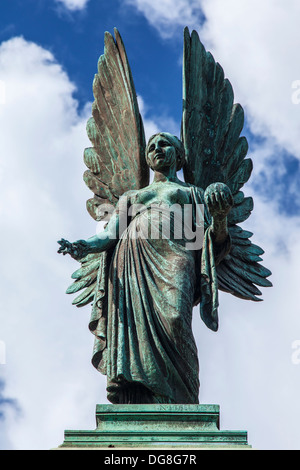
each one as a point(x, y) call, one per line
point(143, 287)
point(157, 426)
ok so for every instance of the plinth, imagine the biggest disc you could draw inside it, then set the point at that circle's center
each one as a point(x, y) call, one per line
point(156, 426)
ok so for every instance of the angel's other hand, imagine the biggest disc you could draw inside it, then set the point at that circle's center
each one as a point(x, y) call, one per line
point(77, 249)
point(219, 199)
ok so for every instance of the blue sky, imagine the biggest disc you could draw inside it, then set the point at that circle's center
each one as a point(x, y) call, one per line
point(76, 40)
point(48, 57)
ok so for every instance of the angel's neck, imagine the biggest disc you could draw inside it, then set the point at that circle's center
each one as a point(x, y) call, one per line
point(161, 177)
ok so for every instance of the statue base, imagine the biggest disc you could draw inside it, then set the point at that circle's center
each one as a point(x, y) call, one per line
point(156, 427)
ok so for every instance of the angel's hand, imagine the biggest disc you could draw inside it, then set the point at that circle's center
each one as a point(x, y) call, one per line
point(219, 200)
point(77, 250)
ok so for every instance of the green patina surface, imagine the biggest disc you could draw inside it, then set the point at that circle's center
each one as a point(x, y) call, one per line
point(142, 426)
point(143, 286)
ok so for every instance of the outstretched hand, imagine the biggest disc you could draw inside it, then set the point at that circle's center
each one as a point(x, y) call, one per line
point(219, 199)
point(77, 249)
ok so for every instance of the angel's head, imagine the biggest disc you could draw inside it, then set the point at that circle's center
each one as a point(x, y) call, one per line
point(164, 149)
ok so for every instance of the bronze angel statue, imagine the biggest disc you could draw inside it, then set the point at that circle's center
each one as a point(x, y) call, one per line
point(143, 289)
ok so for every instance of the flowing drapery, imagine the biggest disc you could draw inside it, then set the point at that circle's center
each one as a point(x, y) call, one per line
point(142, 315)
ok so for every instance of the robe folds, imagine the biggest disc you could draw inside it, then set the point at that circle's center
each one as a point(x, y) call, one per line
point(142, 312)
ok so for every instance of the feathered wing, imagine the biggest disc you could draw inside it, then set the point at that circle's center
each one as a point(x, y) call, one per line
point(116, 164)
point(215, 152)
point(116, 161)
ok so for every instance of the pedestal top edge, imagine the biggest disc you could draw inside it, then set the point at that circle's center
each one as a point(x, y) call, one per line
point(169, 408)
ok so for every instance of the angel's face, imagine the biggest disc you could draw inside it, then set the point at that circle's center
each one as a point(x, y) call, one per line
point(161, 153)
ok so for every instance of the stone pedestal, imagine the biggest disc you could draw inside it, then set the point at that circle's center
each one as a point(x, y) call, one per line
point(156, 427)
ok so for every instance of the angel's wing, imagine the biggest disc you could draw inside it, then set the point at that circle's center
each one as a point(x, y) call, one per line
point(215, 152)
point(116, 161)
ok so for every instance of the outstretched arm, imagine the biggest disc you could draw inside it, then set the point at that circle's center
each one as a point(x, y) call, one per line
point(96, 244)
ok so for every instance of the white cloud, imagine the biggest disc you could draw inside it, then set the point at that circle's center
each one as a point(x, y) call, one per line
point(42, 198)
point(167, 15)
point(73, 5)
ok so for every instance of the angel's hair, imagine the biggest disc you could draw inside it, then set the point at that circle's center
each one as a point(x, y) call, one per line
point(177, 144)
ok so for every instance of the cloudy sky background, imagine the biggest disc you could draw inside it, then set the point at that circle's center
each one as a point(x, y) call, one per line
point(48, 56)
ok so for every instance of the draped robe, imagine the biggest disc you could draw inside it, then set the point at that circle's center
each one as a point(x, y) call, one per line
point(142, 311)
